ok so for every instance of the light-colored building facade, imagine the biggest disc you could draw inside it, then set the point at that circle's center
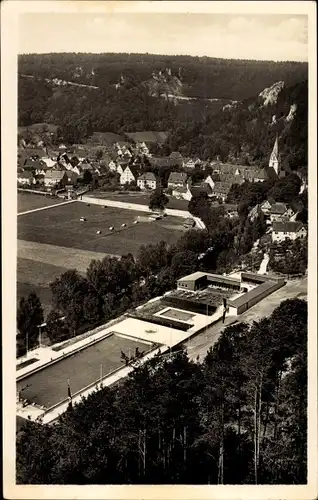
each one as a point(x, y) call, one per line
point(147, 181)
point(282, 231)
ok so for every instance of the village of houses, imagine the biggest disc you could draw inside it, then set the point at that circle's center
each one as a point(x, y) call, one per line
point(62, 171)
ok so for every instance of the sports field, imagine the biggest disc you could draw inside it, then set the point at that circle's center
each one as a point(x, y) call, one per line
point(30, 201)
point(49, 386)
point(61, 226)
point(52, 241)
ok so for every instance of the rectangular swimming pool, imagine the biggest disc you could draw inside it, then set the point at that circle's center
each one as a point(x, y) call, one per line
point(48, 387)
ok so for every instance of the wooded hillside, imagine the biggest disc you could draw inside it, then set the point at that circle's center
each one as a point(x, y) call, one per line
point(240, 417)
point(203, 77)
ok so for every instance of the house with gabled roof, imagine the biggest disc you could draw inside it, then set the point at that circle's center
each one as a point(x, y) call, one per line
point(283, 230)
point(188, 163)
point(231, 178)
point(109, 161)
point(49, 162)
point(280, 212)
point(221, 190)
point(256, 175)
point(34, 153)
point(209, 180)
point(142, 148)
point(176, 157)
point(120, 169)
point(129, 175)
point(41, 169)
point(55, 177)
point(147, 180)
point(202, 188)
point(266, 206)
point(177, 179)
point(182, 193)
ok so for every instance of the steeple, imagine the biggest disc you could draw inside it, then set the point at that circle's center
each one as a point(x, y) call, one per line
point(274, 161)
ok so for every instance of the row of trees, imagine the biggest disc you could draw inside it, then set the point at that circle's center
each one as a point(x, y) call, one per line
point(240, 417)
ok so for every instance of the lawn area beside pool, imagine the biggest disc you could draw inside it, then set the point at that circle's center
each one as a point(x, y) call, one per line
point(48, 386)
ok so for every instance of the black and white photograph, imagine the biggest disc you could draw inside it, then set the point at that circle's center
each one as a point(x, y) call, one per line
point(163, 256)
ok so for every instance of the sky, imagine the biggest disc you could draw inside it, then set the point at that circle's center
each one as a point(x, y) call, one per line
point(239, 36)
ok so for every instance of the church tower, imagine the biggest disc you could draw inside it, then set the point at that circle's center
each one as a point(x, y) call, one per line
point(274, 161)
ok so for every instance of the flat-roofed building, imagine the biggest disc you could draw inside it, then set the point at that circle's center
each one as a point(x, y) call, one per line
point(241, 304)
point(198, 280)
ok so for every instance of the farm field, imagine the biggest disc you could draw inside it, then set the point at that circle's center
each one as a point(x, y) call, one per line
point(33, 276)
point(43, 292)
point(36, 272)
point(61, 226)
point(63, 258)
point(49, 386)
point(30, 201)
point(140, 198)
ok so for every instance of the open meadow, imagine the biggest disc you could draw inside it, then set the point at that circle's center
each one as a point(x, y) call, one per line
point(61, 226)
point(31, 201)
point(36, 276)
point(52, 241)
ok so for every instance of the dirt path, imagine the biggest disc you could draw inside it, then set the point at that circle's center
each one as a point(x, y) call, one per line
point(47, 207)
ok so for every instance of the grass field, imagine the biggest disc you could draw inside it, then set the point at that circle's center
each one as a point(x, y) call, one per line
point(52, 241)
point(43, 292)
point(62, 257)
point(36, 272)
point(61, 226)
point(49, 386)
point(30, 201)
point(140, 198)
point(36, 276)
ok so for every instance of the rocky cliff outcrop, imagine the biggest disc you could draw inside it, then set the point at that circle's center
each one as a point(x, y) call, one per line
point(270, 94)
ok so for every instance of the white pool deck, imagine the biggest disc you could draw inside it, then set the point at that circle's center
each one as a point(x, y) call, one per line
point(132, 328)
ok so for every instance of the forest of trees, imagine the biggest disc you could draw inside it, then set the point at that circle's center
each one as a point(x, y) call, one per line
point(239, 417)
point(203, 77)
point(289, 257)
point(245, 134)
point(198, 127)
